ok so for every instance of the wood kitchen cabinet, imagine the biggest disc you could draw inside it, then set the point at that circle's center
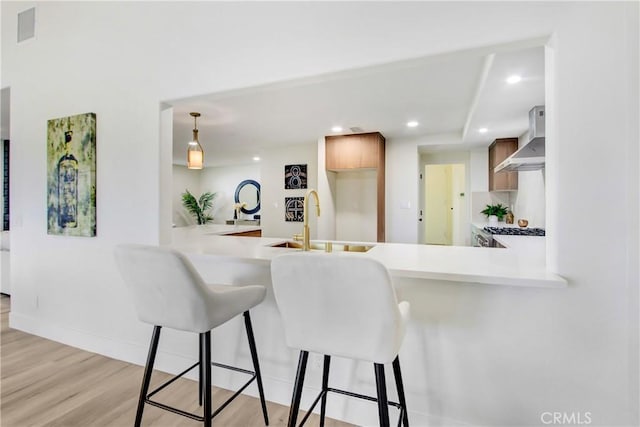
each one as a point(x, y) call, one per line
point(499, 150)
point(360, 151)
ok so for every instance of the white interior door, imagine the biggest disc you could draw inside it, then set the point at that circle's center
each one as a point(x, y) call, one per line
point(445, 207)
point(438, 217)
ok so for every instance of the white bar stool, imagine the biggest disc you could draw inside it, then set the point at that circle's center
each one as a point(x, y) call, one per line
point(341, 305)
point(168, 292)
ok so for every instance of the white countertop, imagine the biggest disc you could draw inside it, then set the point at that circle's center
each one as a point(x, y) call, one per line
point(517, 265)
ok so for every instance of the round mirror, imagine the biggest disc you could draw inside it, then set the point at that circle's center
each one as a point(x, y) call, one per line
point(248, 192)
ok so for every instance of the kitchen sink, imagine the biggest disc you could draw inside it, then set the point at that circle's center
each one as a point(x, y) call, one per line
point(325, 246)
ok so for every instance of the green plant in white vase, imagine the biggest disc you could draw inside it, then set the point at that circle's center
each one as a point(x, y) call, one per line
point(497, 211)
point(199, 207)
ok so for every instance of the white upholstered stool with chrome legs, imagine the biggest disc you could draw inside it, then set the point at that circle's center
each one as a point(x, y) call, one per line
point(168, 292)
point(341, 305)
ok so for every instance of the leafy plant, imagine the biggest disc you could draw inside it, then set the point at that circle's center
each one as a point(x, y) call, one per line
point(199, 207)
point(497, 210)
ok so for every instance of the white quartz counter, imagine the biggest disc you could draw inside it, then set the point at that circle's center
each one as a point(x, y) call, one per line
point(517, 265)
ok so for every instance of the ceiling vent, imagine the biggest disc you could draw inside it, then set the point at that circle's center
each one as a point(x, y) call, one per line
point(356, 129)
point(26, 24)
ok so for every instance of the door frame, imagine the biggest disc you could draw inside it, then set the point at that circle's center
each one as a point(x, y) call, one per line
point(440, 157)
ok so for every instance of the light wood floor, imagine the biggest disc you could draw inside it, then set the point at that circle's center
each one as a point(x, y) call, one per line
point(45, 383)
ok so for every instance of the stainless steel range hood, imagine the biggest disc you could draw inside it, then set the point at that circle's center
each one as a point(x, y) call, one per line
point(530, 156)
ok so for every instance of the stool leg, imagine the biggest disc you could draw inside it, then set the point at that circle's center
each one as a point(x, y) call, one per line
point(200, 372)
point(325, 386)
point(148, 369)
point(205, 358)
point(297, 389)
point(256, 365)
point(400, 387)
point(381, 386)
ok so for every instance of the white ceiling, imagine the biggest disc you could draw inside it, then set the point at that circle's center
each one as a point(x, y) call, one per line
point(449, 94)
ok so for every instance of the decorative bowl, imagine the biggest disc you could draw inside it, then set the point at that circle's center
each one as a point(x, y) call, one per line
point(523, 223)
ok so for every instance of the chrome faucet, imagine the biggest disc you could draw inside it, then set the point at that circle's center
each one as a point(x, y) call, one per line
point(306, 245)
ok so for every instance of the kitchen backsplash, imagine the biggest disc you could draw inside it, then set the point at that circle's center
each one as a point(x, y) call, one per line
point(530, 198)
point(528, 202)
point(480, 199)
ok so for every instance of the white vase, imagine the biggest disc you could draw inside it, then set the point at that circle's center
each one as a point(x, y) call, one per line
point(493, 219)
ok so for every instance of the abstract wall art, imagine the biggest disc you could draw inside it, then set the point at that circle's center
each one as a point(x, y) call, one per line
point(71, 175)
point(294, 209)
point(295, 176)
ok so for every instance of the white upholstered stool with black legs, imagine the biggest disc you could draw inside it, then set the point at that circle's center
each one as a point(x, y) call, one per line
point(168, 292)
point(341, 305)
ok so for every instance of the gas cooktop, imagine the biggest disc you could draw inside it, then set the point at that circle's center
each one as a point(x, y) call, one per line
point(512, 231)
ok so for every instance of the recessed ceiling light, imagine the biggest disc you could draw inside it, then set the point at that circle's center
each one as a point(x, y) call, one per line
point(483, 130)
point(336, 129)
point(412, 124)
point(514, 79)
point(256, 159)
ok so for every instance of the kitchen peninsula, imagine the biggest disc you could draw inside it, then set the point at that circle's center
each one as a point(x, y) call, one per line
point(512, 266)
point(446, 286)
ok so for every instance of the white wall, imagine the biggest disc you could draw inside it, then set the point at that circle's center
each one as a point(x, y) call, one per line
point(402, 198)
point(356, 206)
point(224, 181)
point(273, 192)
point(5, 113)
point(479, 169)
point(532, 351)
point(183, 179)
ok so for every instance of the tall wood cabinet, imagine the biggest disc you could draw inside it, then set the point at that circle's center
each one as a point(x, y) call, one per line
point(499, 150)
point(360, 151)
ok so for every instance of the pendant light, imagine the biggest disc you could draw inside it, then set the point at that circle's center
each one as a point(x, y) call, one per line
point(195, 154)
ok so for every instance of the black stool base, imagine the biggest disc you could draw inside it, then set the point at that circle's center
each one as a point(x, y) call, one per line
point(204, 386)
point(383, 403)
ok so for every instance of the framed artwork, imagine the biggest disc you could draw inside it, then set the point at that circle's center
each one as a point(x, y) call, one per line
point(295, 176)
point(294, 209)
point(71, 175)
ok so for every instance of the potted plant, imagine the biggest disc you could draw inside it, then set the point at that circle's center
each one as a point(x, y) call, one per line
point(199, 207)
point(495, 213)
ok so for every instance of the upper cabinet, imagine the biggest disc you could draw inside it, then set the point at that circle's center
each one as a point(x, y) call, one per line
point(499, 150)
point(359, 151)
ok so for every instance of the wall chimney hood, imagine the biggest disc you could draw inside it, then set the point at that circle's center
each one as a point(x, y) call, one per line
point(530, 156)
